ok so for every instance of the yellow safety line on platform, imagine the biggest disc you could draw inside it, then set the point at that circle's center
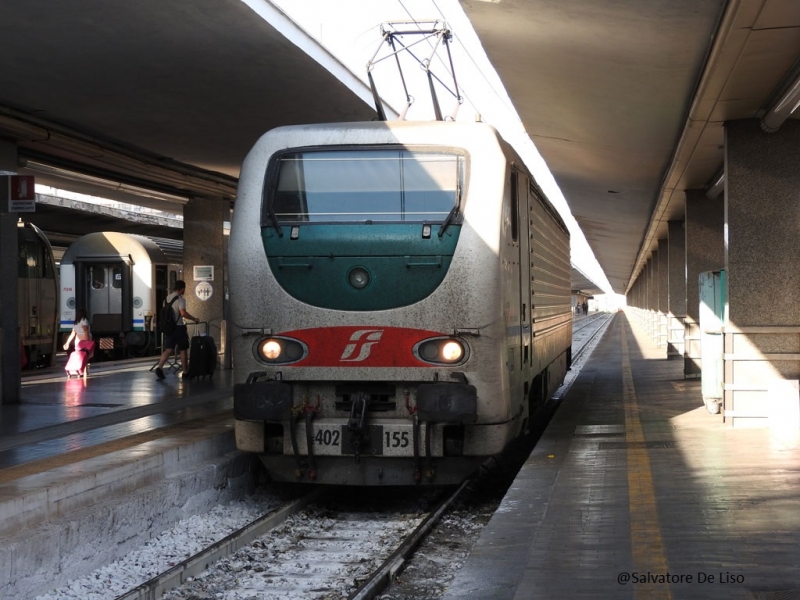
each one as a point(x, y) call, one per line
point(647, 546)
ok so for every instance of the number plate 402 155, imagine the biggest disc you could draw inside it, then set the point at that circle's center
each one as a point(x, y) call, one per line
point(386, 440)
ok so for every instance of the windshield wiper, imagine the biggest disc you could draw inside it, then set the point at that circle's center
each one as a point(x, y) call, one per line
point(274, 218)
point(453, 211)
point(450, 216)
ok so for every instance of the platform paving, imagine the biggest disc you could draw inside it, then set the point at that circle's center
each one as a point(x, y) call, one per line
point(89, 469)
point(636, 491)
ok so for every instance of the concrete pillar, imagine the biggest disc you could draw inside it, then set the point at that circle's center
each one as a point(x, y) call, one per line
point(663, 293)
point(204, 246)
point(705, 251)
point(643, 288)
point(677, 289)
point(762, 329)
point(652, 303)
point(651, 295)
point(10, 376)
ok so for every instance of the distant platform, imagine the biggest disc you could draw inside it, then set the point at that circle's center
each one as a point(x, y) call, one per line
point(636, 491)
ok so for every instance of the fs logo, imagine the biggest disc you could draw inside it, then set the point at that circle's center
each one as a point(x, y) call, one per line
point(365, 338)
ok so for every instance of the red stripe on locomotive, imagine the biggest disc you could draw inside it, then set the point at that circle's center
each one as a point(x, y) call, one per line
point(365, 346)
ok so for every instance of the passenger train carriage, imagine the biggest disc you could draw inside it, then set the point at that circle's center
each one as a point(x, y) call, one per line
point(121, 280)
point(400, 300)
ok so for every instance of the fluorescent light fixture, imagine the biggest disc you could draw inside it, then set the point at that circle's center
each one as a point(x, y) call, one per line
point(788, 99)
point(716, 186)
point(101, 182)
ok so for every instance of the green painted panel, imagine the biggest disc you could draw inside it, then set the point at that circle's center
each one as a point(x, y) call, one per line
point(403, 266)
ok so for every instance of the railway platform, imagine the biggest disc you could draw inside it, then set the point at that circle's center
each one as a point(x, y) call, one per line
point(636, 491)
point(113, 458)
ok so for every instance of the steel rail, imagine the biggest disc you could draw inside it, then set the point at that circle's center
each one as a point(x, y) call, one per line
point(159, 585)
point(393, 565)
point(591, 337)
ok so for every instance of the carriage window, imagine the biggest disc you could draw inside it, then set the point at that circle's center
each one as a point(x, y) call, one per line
point(29, 264)
point(98, 278)
point(116, 281)
point(367, 185)
point(49, 267)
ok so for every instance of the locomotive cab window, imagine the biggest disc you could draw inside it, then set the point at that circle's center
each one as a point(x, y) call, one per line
point(377, 185)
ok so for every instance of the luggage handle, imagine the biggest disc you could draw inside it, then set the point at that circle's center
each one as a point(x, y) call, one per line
point(197, 325)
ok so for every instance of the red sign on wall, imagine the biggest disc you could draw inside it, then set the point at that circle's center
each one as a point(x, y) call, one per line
point(21, 193)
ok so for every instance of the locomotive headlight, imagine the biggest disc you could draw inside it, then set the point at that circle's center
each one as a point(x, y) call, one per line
point(358, 277)
point(279, 350)
point(452, 351)
point(429, 352)
point(271, 349)
point(441, 351)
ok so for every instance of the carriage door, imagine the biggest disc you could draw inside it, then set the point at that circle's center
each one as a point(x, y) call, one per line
point(105, 296)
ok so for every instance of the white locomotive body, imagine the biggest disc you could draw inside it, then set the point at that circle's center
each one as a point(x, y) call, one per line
point(400, 301)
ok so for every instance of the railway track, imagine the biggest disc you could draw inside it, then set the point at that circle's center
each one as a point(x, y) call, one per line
point(302, 549)
point(597, 322)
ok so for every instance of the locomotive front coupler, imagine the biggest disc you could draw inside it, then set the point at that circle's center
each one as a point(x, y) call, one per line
point(309, 411)
point(412, 410)
point(356, 422)
point(300, 470)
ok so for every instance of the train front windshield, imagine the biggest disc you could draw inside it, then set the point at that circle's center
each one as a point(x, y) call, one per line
point(366, 185)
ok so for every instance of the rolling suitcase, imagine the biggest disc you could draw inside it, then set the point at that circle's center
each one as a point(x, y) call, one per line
point(202, 354)
point(77, 363)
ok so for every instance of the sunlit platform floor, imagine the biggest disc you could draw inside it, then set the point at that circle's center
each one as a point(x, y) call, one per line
point(636, 491)
point(126, 394)
point(71, 441)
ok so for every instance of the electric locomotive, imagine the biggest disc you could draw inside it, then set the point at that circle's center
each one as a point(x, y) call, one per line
point(37, 297)
point(400, 301)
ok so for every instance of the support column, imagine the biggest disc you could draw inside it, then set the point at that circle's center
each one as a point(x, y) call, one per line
point(663, 293)
point(677, 290)
point(762, 328)
point(645, 277)
point(10, 376)
point(652, 295)
point(705, 251)
point(204, 245)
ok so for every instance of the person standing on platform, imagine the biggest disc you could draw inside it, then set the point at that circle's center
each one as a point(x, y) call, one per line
point(179, 338)
point(81, 331)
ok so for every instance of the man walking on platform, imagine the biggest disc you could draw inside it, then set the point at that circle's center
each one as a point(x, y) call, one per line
point(178, 337)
